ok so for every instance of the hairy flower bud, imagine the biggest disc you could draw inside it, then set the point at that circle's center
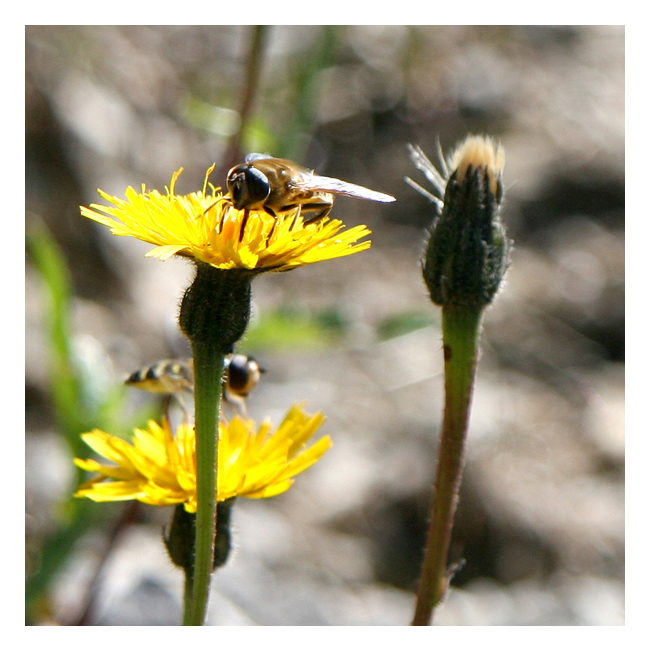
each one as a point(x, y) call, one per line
point(467, 253)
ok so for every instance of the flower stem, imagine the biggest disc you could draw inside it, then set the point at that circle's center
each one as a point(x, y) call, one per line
point(250, 86)
point(460, 326)
point(188, 591)
point(208, 371)
point(214, 313)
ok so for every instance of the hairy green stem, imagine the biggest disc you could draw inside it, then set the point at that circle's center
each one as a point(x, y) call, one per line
point(460, 326)
point(214, 313)
point(208, 371)
point(188, 591)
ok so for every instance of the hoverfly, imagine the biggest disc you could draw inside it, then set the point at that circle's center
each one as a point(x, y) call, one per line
point(277, 185)
point(176, 377)
point(166, 376)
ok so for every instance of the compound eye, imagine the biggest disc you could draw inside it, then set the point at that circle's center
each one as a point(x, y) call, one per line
point(247, 186)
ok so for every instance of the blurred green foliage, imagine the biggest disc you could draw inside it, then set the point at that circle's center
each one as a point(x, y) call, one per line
point(292, 328)
point(403, 323)
point(81, 401)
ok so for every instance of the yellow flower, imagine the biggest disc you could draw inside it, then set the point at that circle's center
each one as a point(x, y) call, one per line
point(205, 226)
point(158, 468)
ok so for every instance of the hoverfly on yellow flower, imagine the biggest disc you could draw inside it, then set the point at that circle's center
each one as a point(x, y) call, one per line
point(209, 227)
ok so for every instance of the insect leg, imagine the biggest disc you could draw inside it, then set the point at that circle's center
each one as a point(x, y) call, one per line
point(243, 224)
point(313, 212)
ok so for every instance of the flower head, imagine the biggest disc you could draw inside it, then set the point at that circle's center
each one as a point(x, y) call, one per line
point(207, 227)
point(160, 468)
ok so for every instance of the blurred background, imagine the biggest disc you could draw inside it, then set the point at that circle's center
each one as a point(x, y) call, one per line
point(540, 524)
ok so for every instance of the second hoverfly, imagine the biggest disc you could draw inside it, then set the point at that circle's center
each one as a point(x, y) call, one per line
point(277, 185)
point(176, 377)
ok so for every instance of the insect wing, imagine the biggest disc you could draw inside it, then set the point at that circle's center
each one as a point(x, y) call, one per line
point(305, 179)
point(336, 186)
point(250, 158)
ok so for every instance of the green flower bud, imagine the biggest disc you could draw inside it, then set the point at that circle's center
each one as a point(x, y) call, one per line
point(468, 252)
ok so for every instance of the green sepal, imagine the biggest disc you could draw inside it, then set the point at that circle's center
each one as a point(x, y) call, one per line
point(180, 536)
point(216, 307)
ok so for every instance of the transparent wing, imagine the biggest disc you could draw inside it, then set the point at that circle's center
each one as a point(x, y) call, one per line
point(252, 157)
point(336, 186)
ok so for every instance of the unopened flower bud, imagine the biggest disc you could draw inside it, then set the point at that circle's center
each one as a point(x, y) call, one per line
point(467, 252)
